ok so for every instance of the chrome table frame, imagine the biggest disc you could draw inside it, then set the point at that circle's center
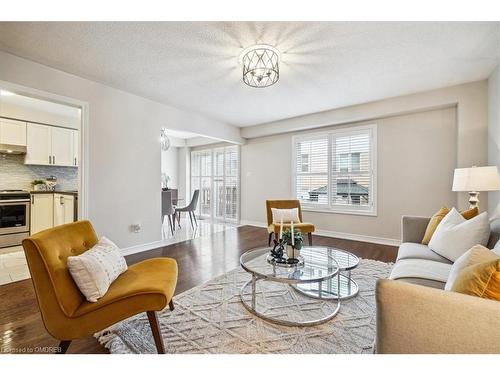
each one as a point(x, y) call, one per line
point(251, 305)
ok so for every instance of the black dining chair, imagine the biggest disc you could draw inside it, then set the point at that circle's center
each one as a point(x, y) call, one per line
point(167, 209)
point(190, 208)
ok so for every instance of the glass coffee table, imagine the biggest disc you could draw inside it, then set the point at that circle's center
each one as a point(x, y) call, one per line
point(270, 294)
point(343, 287)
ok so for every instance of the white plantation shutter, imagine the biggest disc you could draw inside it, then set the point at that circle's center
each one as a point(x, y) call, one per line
point(351, 169)
point(335, 170)
point(311, 170)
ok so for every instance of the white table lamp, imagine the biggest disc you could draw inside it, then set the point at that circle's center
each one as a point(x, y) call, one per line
point(474, 180)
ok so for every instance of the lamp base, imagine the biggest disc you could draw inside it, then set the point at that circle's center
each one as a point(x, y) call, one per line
point(474, 199)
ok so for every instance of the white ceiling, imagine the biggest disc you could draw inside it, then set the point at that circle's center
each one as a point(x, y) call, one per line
point(181, 134)
point(40, 105)
point(325, 65)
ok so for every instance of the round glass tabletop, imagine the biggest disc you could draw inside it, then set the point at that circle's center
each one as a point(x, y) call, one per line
point(319, 264)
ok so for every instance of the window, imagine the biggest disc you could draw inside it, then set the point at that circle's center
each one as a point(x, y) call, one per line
point(216, 173)
point(335, 171)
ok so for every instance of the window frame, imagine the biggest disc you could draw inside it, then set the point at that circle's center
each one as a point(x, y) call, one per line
point(370, 210)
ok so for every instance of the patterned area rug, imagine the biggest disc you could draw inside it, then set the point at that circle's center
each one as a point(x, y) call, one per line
point(211, 319)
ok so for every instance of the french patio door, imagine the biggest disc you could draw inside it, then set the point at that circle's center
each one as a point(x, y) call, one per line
point(216, 173)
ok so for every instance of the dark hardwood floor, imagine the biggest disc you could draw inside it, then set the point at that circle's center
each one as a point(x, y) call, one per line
point(199, 260)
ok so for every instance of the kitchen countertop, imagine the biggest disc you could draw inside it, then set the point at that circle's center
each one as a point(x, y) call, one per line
point(67, 192)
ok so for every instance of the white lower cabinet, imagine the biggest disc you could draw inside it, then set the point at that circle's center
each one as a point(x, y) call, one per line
point(42, 212)
point(50, 210)
point(63, 209)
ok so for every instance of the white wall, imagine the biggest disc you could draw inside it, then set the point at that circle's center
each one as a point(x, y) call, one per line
point(124, 153)
point(416, 157)
point(170, 165)
point(494, 133)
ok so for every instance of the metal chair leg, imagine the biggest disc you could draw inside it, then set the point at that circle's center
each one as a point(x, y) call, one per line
point(310, 238)
point(194, 217)
point(191, 219)
point(269, 239)
point(170, 224)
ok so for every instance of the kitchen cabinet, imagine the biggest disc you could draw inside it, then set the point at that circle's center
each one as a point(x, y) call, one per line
point(76, 147)
point(42, 212)
point(38, 142)
point(49, 145)
point(64, 209)
point(62, 146)
point(12, 132)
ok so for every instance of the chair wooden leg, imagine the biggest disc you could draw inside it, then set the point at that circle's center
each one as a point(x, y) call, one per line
point(171, 305)
point(63, 346)
point(155, 329)
point(310, 238)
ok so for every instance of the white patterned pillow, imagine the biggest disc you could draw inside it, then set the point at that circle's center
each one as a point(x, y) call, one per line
point(95, 269)
point(286, 214)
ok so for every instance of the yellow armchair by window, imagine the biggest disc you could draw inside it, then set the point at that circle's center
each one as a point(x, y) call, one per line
point(274, 228)
point(147, 286)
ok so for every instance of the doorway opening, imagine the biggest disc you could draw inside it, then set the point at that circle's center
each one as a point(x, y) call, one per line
point(200, 185)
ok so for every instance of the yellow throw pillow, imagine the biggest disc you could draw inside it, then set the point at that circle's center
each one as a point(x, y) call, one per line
point(433, 223)
point(469, 214)
point(481, 280)
point(438, 216)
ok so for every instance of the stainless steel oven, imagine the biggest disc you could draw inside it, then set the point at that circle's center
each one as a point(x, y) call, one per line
point(14, 217)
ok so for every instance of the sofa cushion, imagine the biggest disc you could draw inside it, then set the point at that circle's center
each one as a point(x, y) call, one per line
point(410, 250)
point(477, 254)
point(481, 280)
point(455, 235)
point(422, 269)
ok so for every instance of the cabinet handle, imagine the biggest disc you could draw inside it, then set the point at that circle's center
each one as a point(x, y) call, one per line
point(61, 200)
point(53, 159)
point(50, 159)
point(75, 161)
point(32, 199)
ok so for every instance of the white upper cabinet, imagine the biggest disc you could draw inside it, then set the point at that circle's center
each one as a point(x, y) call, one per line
point(76, 144)
point(62, 146)
point(39, 145)
point(50, 145)
point(12, 132)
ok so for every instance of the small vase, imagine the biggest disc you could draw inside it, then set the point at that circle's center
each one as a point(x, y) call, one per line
point(289, 251)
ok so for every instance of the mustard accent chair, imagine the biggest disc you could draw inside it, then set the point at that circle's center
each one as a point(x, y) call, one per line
point(273, 229)
point(147, 286)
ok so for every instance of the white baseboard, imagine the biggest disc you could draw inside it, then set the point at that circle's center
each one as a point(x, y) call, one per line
point(341, 235)
point(144, 247)
point(326, 233)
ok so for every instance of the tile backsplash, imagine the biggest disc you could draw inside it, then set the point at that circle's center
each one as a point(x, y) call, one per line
point(14, 174)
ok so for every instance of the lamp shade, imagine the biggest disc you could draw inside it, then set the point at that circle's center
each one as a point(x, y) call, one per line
point(476, 179)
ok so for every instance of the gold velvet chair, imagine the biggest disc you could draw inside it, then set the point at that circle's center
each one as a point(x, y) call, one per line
point(274, 229)
point(147, 286)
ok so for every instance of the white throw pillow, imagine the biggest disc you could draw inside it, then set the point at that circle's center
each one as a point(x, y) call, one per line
point(286, 214)
point(477, 254)
point(455, 235)
point(95, 269)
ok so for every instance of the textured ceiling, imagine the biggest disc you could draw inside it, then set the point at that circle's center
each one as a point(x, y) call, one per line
point(325, 65)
